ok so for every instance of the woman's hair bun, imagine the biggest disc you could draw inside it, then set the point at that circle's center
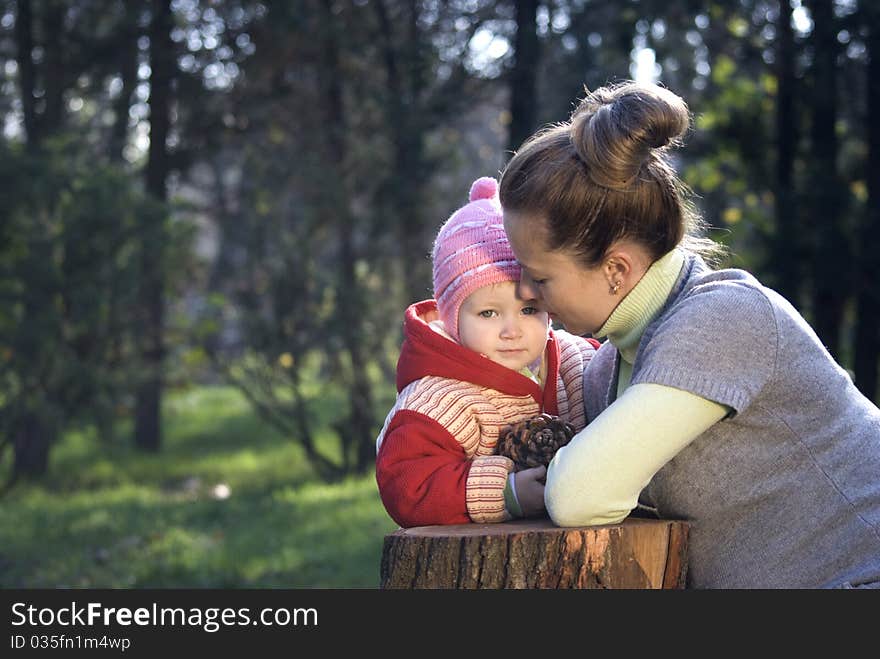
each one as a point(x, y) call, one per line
point(615, 130)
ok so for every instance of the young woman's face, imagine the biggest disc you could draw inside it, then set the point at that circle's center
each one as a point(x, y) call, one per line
point(502, 326)
point(576, 296)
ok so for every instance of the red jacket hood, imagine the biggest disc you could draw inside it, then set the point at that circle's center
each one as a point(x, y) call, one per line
point(426, 352)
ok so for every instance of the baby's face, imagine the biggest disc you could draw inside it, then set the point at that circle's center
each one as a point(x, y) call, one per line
point(498, 324)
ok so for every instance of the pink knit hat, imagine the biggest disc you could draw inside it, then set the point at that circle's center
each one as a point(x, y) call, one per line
point(471, 251)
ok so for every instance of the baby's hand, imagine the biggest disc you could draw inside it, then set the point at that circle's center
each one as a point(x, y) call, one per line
point(530, 490)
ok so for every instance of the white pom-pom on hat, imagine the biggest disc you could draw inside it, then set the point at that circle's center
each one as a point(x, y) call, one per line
point(484, 187)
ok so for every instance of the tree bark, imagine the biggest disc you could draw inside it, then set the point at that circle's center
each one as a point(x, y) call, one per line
point(787, 251)
point(151, 295)
point(867, 341)
point(523, 77)
point(637, 553)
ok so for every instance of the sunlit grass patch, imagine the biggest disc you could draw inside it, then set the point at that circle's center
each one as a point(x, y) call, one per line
point(228, 502)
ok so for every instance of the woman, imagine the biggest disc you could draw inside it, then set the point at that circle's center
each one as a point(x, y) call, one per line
point(712, 399)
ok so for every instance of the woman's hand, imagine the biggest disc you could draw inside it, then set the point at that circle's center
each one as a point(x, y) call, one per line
point(530, 490)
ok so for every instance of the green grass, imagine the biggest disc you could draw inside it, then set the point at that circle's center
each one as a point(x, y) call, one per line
point(107, 516)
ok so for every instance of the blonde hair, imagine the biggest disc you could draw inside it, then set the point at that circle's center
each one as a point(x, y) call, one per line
point(604, 176)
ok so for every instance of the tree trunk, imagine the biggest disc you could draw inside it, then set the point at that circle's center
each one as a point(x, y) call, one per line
point(830, 257)
point(867, 348)
point(30, 437)
point(128, 53)
point(357, 432)
point(523, 77)
point(405, 81)
point(54, 68)
point(637, 553)
point(151, 294)
point(24, 38)
point(31, 446)
point(787, 251)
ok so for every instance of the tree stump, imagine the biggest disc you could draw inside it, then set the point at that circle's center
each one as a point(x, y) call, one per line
point(637, 553)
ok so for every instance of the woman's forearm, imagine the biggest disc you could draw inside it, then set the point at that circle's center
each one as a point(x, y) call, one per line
point(596, 479)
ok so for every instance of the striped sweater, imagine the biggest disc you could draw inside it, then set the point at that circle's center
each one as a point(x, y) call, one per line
point(435, 460)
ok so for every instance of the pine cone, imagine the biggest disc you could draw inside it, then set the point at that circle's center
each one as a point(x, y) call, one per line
point(534, 442)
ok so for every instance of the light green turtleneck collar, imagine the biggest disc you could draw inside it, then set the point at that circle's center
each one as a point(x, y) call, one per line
point(628, 321)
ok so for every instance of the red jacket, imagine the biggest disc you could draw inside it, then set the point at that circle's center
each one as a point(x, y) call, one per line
point(435, 459)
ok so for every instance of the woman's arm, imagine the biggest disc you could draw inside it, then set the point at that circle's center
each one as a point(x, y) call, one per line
point(597, 477)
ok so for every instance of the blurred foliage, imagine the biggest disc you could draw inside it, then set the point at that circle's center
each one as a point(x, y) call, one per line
point(66, 277)
point(315, 148)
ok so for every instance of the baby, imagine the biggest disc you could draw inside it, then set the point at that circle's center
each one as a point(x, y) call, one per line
point(474, 359)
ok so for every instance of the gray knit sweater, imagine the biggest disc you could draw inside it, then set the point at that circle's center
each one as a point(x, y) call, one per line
point(784, 492)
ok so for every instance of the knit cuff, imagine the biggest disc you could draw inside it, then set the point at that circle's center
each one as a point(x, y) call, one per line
point(484, 491)
point(511, 502)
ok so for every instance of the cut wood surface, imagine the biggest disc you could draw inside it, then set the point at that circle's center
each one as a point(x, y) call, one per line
point(637, 553)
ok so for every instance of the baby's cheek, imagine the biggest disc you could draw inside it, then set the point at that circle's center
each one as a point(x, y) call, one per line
point(539, 337)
